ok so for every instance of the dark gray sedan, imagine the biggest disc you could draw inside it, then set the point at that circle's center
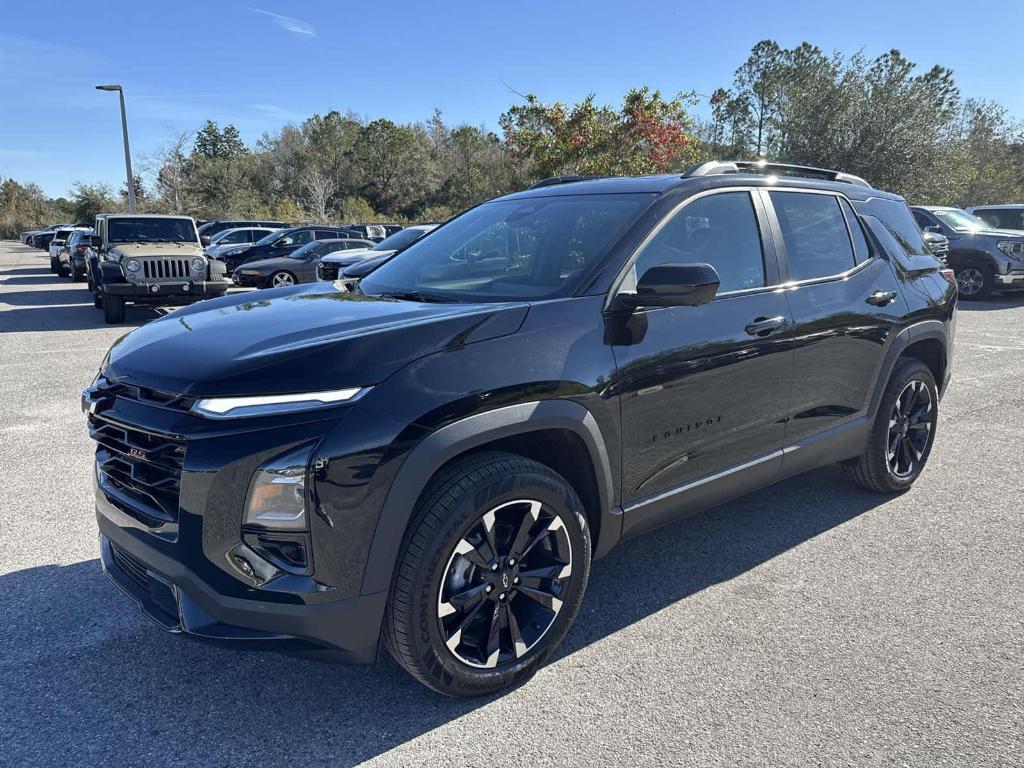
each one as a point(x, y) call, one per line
point(299, 266)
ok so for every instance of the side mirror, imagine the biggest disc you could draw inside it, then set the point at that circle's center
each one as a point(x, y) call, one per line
point(95, 241)
point(673, 285)
point(934, 229)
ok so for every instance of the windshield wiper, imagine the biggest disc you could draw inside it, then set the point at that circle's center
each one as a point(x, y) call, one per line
point(421, 296)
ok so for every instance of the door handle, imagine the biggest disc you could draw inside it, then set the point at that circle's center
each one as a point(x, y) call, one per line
point(881, 298)
point(764, 326)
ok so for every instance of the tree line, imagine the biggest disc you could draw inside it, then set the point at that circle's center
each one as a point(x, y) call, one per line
point(903, 129)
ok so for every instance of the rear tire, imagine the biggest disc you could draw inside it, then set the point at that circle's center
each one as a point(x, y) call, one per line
point(113, 308)
point(975, 281)
point(901, 437)
point(462, 617)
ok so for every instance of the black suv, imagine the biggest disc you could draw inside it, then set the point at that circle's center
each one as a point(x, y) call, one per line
point(280, 243)
point(433, 460)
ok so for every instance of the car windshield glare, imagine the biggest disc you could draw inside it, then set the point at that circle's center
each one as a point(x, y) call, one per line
point(962, 221)
point(510, 250)
point(145, 230)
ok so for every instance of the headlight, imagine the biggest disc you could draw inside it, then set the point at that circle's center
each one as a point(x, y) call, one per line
point(234, 251)
point(132, 265)
point(277, 493)
point(270, 405)
point(198, 264)
point(1012, 248)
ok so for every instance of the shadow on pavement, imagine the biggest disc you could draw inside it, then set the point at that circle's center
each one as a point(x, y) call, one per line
point(1008, 300)
point(84, 674)
point(67, 317)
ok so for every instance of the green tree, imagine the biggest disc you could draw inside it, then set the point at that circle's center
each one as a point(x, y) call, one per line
point(648, 134)
point(87, 200)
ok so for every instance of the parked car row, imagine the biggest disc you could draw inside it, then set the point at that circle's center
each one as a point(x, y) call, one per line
point(156, 259)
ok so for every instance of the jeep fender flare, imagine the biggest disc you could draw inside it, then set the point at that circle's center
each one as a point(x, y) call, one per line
point(109, 272)
point(423, 461)
point(926, 329)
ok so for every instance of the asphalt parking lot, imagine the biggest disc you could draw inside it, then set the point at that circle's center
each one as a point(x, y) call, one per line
point(808, 624)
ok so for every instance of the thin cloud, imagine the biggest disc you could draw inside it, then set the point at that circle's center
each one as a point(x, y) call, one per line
point(297, 26)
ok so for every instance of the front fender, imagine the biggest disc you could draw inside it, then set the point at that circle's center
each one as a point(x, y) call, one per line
point(473, 431)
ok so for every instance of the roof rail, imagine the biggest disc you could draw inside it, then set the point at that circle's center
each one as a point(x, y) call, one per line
point(783, 169)
point(560, 180)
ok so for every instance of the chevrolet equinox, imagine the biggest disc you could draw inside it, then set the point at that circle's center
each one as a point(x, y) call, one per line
point(430, 459)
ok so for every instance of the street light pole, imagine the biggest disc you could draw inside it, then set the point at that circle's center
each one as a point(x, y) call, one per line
point(127, 152)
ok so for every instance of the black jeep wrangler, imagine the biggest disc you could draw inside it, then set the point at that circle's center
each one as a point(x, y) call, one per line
point(146, 258)
point(433, 459)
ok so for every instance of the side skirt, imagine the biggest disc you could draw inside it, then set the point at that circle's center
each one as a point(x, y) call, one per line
point(836, 444)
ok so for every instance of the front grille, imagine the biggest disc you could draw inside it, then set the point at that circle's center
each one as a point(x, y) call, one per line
point(140, 470)
point(162, 268)
point(328, 271)
point(174, 402)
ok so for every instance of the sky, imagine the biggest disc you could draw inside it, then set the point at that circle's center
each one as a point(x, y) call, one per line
point(260, 64)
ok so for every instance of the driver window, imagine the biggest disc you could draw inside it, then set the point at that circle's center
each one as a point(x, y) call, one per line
point(720, 230)
point(296, 238)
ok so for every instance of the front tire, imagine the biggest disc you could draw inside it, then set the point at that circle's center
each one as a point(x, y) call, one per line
point(77, 274)
point(281, 280)
point(54, 266)
point(113, 308)
point(902, 435)
point(975, 281)
point(490, 576)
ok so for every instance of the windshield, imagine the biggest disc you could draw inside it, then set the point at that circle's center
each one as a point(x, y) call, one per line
point(309, 249)
point(151, 231)
point(270, 237)
point(510, 250)
point(400, 239)
point(961, 221)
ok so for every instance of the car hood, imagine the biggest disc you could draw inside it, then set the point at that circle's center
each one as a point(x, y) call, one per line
point(995, 234)
point(275, 262)
point(353, 255)
point(299, 339)
point(183, 250)
point(218, 248)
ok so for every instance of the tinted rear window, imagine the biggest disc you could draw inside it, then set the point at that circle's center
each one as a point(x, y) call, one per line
point(814, 231)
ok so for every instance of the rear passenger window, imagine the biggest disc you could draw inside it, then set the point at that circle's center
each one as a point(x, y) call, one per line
point(861, 251)
point(720, 230)
point(815, 234)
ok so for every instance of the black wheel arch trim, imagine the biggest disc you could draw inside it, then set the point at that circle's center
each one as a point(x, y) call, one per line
point(926, 329)
point(464, 435)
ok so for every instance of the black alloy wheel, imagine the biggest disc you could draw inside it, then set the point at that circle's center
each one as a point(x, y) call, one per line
point(491, 574)
point(910, 428)
point(504, 583)
point(903, 431)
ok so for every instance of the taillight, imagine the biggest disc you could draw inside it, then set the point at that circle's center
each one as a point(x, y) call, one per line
point(948, 274)
point(79, 249)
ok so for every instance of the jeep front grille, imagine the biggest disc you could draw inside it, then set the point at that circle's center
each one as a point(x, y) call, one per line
point(162, 268)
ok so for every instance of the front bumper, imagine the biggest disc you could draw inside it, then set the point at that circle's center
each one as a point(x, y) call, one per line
point(162, 292)
point(248, 281)
point(178, 601)
point(1011, 279)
